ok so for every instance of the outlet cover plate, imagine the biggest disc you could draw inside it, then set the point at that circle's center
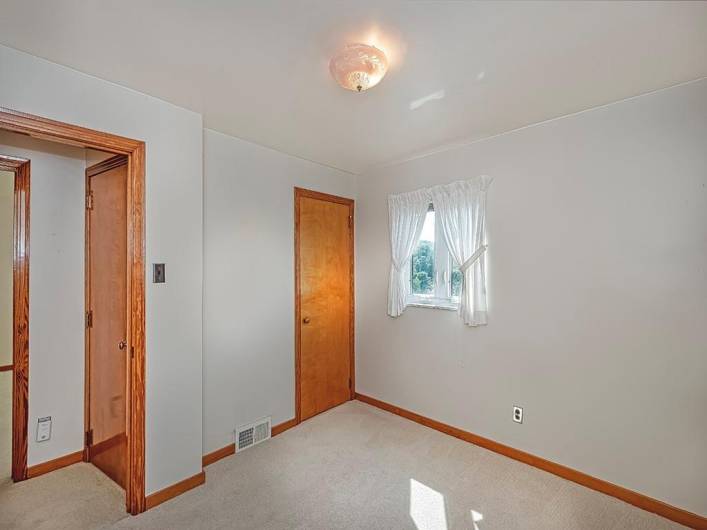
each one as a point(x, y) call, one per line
point(158, 273)
point(44, 429)
point(517, 414)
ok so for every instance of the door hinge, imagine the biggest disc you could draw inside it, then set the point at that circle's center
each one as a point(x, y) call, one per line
point(89, 438)
point(349, 383)
point(89, 200)
point(350, 221)
point(89, 319)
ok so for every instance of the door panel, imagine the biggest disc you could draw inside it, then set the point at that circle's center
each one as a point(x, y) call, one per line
point(325, 265)
point(107, 351)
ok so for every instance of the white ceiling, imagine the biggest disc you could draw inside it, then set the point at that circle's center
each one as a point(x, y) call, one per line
point(259, 70)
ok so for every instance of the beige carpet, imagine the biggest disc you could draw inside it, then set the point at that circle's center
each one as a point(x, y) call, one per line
point(72, 498)
point(359, 467)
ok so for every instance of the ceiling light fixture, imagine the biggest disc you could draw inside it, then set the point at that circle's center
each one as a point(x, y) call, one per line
point(358, 67)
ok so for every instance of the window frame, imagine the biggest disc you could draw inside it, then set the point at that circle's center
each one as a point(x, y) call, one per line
point(441, 298)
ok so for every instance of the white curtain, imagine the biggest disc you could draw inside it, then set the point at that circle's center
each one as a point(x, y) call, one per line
point(460, 208)
point(406, 216)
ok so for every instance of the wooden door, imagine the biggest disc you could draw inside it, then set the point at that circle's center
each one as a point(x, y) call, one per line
point(107, 353)
point(324, 300)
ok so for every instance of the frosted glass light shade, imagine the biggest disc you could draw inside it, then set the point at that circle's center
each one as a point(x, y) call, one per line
point(358, 67)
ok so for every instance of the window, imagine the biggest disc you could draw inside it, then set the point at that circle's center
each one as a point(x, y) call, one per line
point(435, 280)
point(422, 271)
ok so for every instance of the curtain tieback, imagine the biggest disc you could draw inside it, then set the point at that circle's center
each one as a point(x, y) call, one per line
point(472, 259)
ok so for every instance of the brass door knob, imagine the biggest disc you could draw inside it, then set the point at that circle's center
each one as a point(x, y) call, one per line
point(305, 320)
point(122, 345)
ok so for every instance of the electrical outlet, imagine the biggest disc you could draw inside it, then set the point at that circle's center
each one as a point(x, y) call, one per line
point(517, 414)
point(44, 429)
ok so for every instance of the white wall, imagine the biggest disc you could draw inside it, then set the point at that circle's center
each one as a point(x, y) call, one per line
point(174, 236)
point(7, 180)
point(7, 186)
point(597, 230)
point(56, 296)
point(249, 280)
point(93, 156)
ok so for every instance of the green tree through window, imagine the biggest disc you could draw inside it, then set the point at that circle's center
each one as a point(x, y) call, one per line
point(430, 261)
point(423, 268)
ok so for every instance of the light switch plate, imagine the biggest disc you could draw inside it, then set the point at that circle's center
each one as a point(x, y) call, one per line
point(44, 429)
point(158, 273)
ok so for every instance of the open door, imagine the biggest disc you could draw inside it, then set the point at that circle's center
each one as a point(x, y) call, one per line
point(134, 153)
point(106, 317)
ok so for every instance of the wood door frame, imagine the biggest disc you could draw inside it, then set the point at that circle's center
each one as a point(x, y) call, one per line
point(300, 193)
point(20, 312)
point(42, 128)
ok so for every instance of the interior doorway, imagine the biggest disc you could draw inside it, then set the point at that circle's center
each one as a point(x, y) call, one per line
point(324, 302)
point(7, 192)
point(129, 437)
point(106, 317)
point(15, 280)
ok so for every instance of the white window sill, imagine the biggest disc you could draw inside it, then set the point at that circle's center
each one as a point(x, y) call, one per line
point(436, 303)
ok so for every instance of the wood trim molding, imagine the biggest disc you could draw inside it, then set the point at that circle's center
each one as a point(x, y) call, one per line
point(106, 165)
point(301, 193)
point(632, 497)
point(20, 317)
point(298, 311)
point(11, 163)
point(64, 133)
point(53, 465)
point(174, 490)
point(215, 456)
point(105, 445)
point(282, 427)
point(136, 323)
